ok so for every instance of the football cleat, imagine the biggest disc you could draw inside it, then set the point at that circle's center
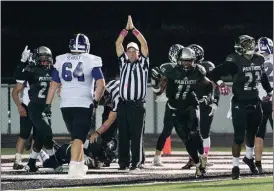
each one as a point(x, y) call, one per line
point(235, 173)
point(250, 163)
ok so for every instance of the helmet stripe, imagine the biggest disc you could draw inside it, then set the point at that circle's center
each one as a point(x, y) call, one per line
point(76, 48)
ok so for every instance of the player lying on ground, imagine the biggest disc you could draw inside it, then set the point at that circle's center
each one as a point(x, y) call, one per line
point(95, 154)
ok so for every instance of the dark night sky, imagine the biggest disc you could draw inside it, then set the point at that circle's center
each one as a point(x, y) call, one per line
point(53, 23)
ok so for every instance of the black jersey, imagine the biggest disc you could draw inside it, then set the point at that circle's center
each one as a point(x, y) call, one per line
point(183, 85)
point(39, 81)
point(246, 75)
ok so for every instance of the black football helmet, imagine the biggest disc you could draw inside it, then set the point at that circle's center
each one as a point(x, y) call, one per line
point(245, 45)
point(199, 52)
point(42, 56)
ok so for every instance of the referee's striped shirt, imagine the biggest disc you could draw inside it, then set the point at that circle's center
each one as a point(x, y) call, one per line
point(133, 77)
point(112, 88)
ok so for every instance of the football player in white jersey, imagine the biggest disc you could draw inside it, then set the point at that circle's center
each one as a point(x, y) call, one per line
point(264, 47)
point(76, 72)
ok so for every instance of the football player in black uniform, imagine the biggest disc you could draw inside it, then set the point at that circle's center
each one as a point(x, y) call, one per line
point(94, 154)
point(183, 81)
point(38, 75)
point(207, 104)
point(245, 66)
point(168, 125)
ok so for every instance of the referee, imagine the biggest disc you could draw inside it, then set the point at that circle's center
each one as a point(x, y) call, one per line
point(134, 65)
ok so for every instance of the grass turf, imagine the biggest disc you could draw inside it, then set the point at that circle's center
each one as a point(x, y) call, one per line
point(247, 184)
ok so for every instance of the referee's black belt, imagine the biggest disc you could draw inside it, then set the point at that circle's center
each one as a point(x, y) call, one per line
point(132, 102)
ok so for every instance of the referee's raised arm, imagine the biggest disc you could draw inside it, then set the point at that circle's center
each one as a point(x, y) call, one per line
point(119, 41)
point(139, 36)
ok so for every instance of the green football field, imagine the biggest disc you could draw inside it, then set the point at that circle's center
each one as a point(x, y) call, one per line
point(245, 184)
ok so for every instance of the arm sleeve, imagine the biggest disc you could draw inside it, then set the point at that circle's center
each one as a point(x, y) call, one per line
point(97, 73)
point(55, 75)
point(216, 96)
point(19, 72)
point(224, 69)
point(265, 83)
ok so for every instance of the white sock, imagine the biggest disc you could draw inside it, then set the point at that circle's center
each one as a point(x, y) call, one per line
point(50, 152)
point(235, 161)
point(206, 144)
point(18, 158)
point(86, 144)
point(249, 152)
point(73, 162)
point(34, 154)
point(42, 156)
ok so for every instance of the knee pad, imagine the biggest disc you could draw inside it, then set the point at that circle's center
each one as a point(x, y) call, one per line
point(238, 140)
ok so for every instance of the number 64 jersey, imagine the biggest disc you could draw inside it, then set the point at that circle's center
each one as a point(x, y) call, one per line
point(75, 72)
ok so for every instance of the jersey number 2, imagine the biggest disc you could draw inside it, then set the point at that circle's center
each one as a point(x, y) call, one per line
point(41, 92)
point(77, 73)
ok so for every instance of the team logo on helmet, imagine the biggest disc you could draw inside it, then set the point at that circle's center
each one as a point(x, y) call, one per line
point(173, 52)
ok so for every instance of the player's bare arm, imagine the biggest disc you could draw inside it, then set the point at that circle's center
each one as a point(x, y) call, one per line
point(111, 118)
point(120, 39)
point(15, 96)
point(100, 88)
point(52, 90)
point(139, 36)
